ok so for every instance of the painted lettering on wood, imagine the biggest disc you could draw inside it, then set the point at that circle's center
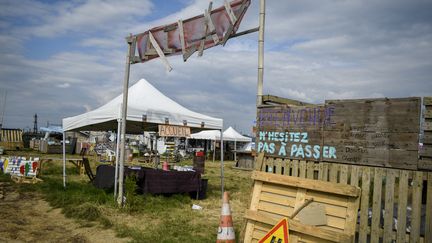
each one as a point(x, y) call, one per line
point(383, 132)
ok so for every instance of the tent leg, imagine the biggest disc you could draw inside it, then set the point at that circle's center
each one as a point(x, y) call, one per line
point(123, 123)
point(214, 151)
point(117, 157)
point(235, 150)
point(64, 160)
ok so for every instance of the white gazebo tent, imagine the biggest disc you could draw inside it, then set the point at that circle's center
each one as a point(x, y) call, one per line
point(147, 107)
point(230, 134)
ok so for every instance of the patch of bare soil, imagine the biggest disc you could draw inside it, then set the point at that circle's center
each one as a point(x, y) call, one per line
point(26, 217)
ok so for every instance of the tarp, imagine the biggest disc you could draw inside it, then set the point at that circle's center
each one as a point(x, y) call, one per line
point(147, 107)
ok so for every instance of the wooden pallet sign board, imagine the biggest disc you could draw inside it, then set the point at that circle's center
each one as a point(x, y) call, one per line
point(279, 196)
point(277, 234)
point(377, 132)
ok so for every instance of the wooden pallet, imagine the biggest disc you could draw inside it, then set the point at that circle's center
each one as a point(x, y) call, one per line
point(277, 196)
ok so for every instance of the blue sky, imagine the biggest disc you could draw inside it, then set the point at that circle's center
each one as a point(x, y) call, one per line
point(63, 58)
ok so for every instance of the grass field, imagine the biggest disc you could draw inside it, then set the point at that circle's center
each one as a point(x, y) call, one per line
point(146, 218)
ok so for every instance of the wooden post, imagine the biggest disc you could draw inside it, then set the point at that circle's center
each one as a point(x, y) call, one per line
point(261, 52)
point(222, 161)
point(123, 124)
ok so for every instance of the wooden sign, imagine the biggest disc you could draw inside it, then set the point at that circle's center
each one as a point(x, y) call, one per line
point(380, 132)
point(278, 234)
point(174, 131)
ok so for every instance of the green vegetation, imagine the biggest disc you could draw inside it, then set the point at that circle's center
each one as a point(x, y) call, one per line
point(145, 218)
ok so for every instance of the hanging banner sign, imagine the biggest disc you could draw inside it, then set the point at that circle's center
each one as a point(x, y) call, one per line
point(174, 131)
point(185, 37)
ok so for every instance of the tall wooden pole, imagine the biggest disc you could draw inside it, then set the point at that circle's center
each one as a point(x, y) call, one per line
point(261, 52)
point(123, 121)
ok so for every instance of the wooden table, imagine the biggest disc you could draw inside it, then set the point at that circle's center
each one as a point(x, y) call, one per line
point(77, 162)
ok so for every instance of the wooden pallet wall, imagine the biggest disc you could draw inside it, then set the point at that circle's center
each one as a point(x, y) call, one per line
point(386, 192)
point(376, 132)
point(425, 161)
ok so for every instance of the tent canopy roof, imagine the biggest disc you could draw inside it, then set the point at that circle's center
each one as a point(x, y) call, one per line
point(147, 107)
point(228, 135)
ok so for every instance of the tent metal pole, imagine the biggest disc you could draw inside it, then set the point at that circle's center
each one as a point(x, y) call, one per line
point(214, 150)
point(117, 157)
point(222, 163)
point(123, 123)
point(235, 150)
point(64, 160)
point(261, 53)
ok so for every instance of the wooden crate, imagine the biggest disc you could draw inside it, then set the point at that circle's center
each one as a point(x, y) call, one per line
point(277, 196)
point(383, 189)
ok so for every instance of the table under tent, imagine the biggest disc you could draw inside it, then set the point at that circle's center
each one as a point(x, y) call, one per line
point(147, 108)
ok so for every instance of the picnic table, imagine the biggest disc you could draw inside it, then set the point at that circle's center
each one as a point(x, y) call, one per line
point(78, 162)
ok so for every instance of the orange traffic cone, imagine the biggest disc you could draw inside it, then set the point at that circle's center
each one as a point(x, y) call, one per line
point(225, 231)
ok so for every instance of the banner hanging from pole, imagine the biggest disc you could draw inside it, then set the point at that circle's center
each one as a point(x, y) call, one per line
point(185, 37)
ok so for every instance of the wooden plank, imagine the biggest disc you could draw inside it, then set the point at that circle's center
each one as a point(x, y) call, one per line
point(307, 184)
point(295, 170)
point(427, 126)
point(425, 163)
point(310, 170)
point(302, 169)
point(159, 52)
point(427, 100)
point(428, 114)
point(343, 174)
point(230, 12)
point(325, 171)
point(402, 205)
point(333, 171)
point(354, 181)
point(278, 164)
point(428, 220)
point(182, 40)
point(211, 26)
point(364, 204)
point(298, 227)
point(376, 204)
point(389, 205)
point(279, 100)
point(254, 206)
point(259, 162)
point(416, 206)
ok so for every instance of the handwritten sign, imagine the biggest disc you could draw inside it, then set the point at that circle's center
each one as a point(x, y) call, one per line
point(379, 132)
point(174, 131)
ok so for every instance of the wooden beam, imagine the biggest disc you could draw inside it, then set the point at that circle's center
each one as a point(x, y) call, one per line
point(230, 12)
point(206, 29)
point(211, 26)
point(160, 52)
point(231, 27)
point(301, 228)
point(284, 101)
point(309, 184)
point(182, 39)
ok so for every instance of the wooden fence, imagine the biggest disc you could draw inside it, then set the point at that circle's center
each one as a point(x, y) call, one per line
point(396, 205)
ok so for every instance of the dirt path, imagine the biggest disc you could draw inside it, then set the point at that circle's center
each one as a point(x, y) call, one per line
point(26, 217)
